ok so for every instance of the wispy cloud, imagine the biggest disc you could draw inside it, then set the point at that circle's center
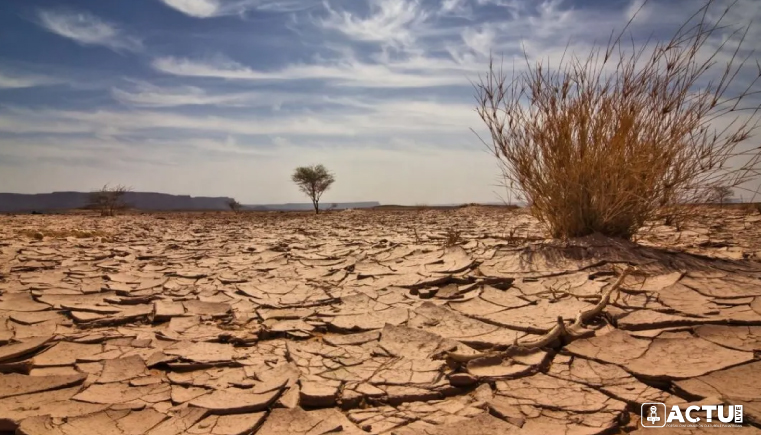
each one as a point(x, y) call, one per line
point(16, 81)
point(390, 22)
point(146, 94)
point(195, 8)
point(86, 29)
point(350, 117)
point(217, 8)
point(414, 72)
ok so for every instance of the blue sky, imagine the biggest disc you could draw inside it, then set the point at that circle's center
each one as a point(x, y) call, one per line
point(226, 97)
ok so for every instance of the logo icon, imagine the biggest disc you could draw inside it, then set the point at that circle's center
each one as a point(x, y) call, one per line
point(653, 414)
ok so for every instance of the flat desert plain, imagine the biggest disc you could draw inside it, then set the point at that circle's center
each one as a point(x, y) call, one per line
point(372, 321)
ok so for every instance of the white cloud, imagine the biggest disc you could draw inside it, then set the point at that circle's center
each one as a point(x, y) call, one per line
point(14, 81)
point(145, 94)
point(480, 40)
point(195, 8)
point(415, 72)
point(354, 118)
point(390, 22)
point(217, 8)
point(87, 29)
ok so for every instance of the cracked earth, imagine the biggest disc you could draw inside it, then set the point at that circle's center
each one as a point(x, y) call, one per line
point(359, 322)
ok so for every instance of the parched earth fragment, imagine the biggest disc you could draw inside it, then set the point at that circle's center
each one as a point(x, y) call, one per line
point(163, 310)
point(318, 394)
point(352, 339)
point(617, 347)
point(296, 421)
point(538, 318)
point(113, 393)
point(659, 358)
point(14, 384)
point(542, 403)
point(640, 320)
point(66, 353)
point(454, 259)
point(737, 386)
point(202, 352)
point(682, 358)
point(687, 301)
point(413, 416)
point(401, 341)
point(361, 313)
point(122, 369)
point(117, 423)
point(746, 338)
point(56, 403)
point(608, 378)
point(496, 367)
point(213, 309)
point(450, 324)
point(179, 423)
point(241, 424)
point(11, 351)
point(20, 302)
point(724, 287)
point(235, 401)
point(483, 424)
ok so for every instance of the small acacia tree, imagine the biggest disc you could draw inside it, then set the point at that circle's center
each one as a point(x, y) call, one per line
point(109, 199)
point(606, 142)
point(313, 181)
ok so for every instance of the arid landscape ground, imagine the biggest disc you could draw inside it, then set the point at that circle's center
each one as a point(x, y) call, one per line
point(371, 321)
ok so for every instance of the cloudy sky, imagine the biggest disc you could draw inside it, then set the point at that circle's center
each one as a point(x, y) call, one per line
point(226, 97)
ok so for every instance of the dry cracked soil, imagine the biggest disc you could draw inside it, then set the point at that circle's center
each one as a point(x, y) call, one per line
point(381, 322)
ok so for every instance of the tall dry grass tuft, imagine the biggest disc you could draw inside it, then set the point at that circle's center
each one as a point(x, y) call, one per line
point(607, 142)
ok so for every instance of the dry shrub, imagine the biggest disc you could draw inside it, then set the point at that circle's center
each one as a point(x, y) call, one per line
point(610, 141)
point(108, 200)
point(452, 237)
point(234, 205)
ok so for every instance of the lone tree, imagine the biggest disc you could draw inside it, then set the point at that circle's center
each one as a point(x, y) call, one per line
point(623, 135)
point(109, 199)
point(313, 181)
point(234, 205)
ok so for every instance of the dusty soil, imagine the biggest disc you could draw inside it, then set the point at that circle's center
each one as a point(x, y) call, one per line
point(402, 322)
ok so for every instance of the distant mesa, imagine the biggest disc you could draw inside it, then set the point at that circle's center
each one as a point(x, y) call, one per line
point(148, 201)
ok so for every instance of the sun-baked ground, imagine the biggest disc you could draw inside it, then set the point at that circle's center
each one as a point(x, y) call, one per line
point(358, 322)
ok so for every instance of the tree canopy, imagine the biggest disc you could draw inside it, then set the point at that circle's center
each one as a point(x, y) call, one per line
point(313, 181)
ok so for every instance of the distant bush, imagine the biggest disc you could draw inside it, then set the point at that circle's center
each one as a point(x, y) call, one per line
point(234, 205)
point(108, 200)
point(607, 142)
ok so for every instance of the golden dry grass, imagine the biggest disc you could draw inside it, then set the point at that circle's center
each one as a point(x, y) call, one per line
point(610, 141)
